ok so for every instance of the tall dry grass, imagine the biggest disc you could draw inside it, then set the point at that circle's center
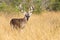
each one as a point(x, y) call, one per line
point(45, 26)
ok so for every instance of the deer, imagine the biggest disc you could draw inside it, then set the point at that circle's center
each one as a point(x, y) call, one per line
point(21, 22)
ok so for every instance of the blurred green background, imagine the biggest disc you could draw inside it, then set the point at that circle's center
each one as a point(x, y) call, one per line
point(39, 5)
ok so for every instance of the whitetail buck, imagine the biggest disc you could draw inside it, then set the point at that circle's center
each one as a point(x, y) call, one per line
point(20, 23)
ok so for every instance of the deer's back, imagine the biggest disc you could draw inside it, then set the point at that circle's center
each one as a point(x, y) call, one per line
point(17, 22)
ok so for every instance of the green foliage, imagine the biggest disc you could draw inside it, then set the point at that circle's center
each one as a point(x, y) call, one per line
point(56, 5)
point(2, 6)
point(7, 8)
point(12, 5)
point(37, 6)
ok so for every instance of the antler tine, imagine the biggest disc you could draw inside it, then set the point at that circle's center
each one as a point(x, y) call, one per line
point(31, 9)
point(21, 8)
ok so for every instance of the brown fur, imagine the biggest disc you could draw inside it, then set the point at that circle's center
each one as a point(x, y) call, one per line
point(19, 23)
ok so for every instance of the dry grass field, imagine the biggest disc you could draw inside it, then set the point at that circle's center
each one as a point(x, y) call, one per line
point(45, 26)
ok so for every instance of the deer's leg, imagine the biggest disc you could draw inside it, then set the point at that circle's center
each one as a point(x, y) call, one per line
point(22, 26)
point(14, 26)
point(11, 25)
